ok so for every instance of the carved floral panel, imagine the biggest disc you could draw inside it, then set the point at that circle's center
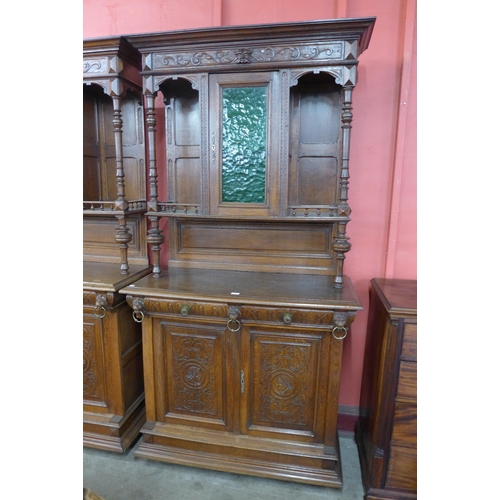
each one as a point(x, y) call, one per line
point(284, 383)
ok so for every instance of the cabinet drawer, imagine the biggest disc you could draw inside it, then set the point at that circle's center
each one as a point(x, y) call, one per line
point(409, 349)
point(407, 385)
point(286, 316)
point(186, 308)
point(405, 424)
point(402, 471)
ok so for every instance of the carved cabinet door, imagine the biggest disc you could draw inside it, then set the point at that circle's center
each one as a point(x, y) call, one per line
point(285, 383)
point(194, 368)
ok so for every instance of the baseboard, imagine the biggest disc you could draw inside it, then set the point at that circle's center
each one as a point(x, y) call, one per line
point(347, 418)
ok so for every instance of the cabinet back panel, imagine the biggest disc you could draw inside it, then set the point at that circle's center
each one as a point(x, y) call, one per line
point(99, 243)
point(187, 181)
point(314, 149)
point(245, 244)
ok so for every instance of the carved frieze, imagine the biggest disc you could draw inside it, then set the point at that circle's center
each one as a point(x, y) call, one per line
point(234, 56)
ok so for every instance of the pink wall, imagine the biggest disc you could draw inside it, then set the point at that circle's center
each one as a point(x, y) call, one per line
point(383, 146)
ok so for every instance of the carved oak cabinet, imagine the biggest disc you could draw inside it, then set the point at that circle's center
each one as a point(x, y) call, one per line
point(114, 247)
point(386, 432)
point(243, 330)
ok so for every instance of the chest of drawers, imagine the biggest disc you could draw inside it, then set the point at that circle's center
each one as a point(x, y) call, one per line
point(386, 432)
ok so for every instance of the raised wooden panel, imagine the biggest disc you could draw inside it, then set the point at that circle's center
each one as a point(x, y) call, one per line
point(187, 187)
point(237, 245)
point(183, 140)
point(193, 375)
point(251, 238)
point(402, 471)
point(94, 382)
point(284, 376)
point(99, 243)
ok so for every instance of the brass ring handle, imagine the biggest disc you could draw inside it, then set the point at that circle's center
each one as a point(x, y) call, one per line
point(339, 328)
point(234, 329)
point(287, 317)
point(99, 309)
point(138, 316)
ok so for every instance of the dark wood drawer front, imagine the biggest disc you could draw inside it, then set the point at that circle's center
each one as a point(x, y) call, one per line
point(186, 308)
point(402, 471)
point(405, 424)
point(285, 316)
point(407, 385)
point(409, 349)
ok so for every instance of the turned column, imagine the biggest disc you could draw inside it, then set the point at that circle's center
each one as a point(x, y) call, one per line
point(123, 236)
point(155, 235)
point(341, 243)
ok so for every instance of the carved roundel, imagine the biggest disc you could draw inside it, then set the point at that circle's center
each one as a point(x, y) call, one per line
point(194, 375)
point(284, 385)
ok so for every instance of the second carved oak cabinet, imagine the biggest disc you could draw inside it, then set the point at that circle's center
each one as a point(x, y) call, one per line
point(114, 246)
point(244, 325)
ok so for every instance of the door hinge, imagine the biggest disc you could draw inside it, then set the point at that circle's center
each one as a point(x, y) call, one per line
point(242, 379)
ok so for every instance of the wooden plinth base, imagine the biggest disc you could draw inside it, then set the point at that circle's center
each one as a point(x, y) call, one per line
point(297, 462)
point(112, 432)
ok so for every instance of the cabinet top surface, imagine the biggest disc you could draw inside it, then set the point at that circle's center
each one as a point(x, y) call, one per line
point(107, 277)
point(399, 296)
point(273, 289)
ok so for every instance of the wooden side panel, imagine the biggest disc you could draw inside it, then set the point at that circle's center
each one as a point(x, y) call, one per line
point(407, 386)
point(405, 423)
point(130, 356)
point(409, 349)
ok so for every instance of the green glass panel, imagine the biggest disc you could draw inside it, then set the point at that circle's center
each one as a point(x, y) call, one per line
point(244, 117)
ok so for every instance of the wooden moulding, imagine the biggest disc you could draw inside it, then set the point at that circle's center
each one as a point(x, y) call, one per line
point(298, 462)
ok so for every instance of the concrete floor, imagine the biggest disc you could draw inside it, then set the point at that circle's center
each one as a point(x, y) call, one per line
point(125, 477)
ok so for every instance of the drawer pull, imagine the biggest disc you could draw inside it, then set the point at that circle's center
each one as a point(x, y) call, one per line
point(185, 309)
point(287, 317)
point(138, 316)
point(233, 322)
point(342, 335)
